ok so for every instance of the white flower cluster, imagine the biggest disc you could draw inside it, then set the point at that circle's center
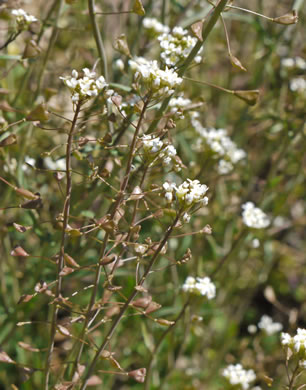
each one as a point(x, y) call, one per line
point(297, 62)
point(254, 217)
point(200, 286)
point(298, 84)
point(155, 150)
point(189, 193)
point(59, 164)
point(177, 105)
point(86, 87)
point(237, 375)
point(176, 46)
point(266, 323)
point(297, 343)
point(23, 18)
point(11, 166)
point(154, 27)
point(221, 145)
point(157, 81)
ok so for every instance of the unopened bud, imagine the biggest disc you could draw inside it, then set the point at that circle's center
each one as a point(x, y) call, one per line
point(163, 322)
point(122, 46)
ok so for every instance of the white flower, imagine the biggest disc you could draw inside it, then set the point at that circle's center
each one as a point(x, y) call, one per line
point(266, 323)
point(237, 375)
point(286, 339)
point(189, 283)
point(297, 343)
point(288, 62)
point(300, 63)
point(221, 145)
point(191, 192)
point(298, 84)
point(86, 87)
point(28, 160)
point(155, 150)
point(55, 165)
point(119, 64)
point(178, 104)
point(252, 329)
point(254, 217)
point(186, 217)
point(255, 243)
point(169, 197)
point(200, 286)
point(168, 187)
point(151, 145)
point(154, 26)
point(22, 17)
point(141, 249)
point(296, 62)
point(225, 167)
point(176, 46)
point(157, 81)
point(299, 340)
point(88, 73)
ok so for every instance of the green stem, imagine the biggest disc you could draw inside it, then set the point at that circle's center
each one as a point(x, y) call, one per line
point(157, 346)
point(116, 205)
point(66, 210)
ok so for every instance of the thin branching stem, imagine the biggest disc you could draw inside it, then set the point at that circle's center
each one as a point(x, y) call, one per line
point(118, 200)
point(60, 264)
point(117, 320)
